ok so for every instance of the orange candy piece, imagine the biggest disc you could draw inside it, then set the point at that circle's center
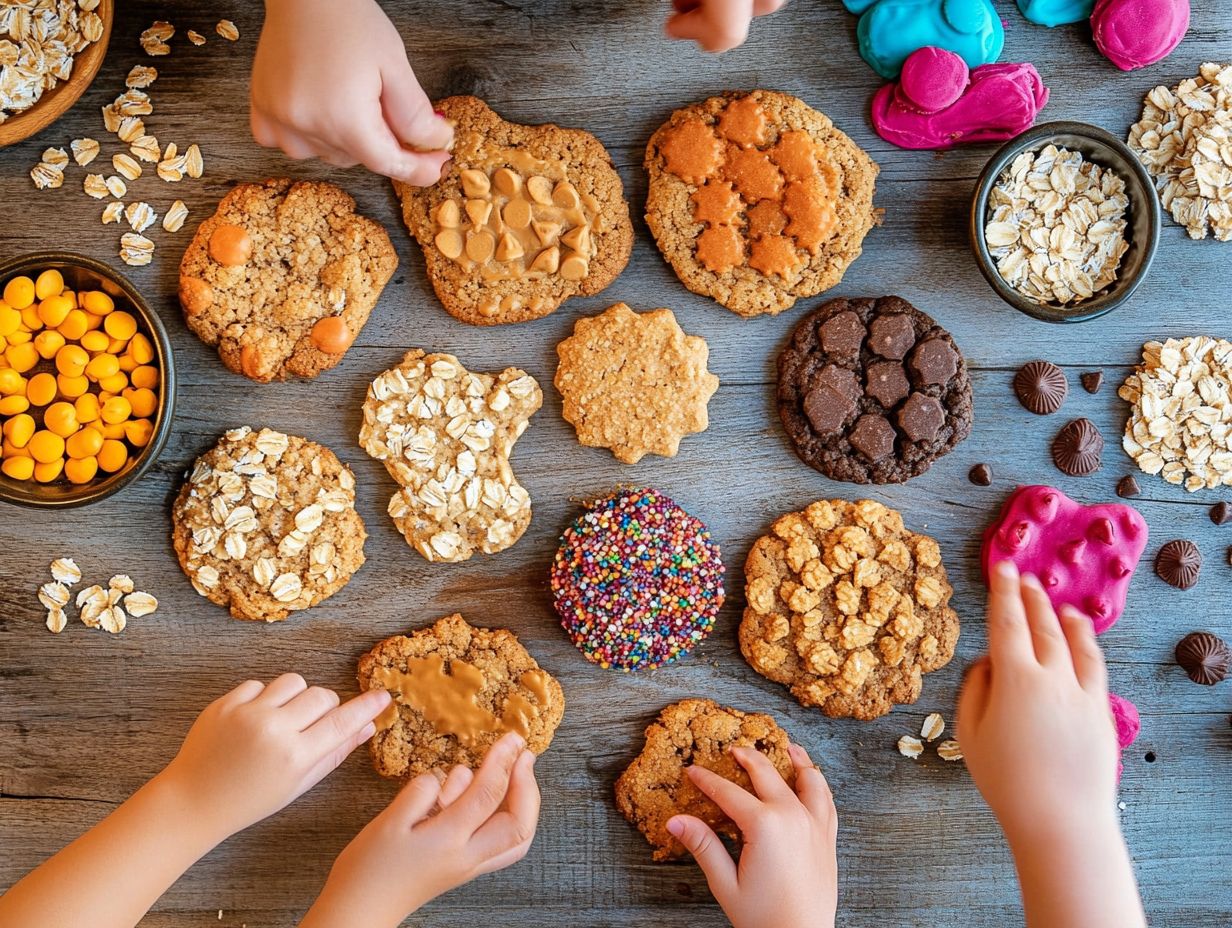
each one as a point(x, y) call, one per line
point(720, 248)
point(796, 154)
point(811, 211)
point(230, 245)
point(766, 218)
point(774, 254)
point(744, 122)
point(691, 150)
point(716, 203)
point(331, 335)
point(753, 174)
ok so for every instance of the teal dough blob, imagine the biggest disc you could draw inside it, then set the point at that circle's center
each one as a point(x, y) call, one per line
point(890, 30)
point(1056, 12)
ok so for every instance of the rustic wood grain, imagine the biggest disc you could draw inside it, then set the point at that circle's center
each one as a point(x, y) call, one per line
point(86, 717)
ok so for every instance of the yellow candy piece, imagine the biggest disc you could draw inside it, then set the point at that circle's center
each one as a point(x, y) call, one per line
point(61, 418)
point(54, 310)
point(47, 471)
point(139, 432)
point(18, 468)
point(11, 382)
point(97, 302)
point(19, 292)
point(21, 358)
point(116, 346)
point(81, 470)
point(117, 409)
point(41, 389)
point(49, 283)
point(143, 402)
point(87, 408)
point(104, 365)
point(47, 343)
point(46, 446)
point(112, 456)
point(72, 387)
point(121, 325)
point(30, 318)
point(19, 430)
point(114, 431)
point(12, 405)
point(10, 320)
point(145, 377)
point(93, 320)
point(85, 444)
point(75, 325)
point(114, 384)
point(128, 363)
point(141, 349)
point(95, 341)
point(71, 360)
point(20, 337)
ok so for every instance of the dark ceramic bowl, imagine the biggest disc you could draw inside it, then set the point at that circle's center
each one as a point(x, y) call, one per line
point(1142, 231)
point(82, 273)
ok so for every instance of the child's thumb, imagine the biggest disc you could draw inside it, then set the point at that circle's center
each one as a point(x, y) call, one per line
point(410, 115)
point(700, 840)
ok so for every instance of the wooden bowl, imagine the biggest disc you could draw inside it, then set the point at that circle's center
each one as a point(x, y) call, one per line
point(55, 102)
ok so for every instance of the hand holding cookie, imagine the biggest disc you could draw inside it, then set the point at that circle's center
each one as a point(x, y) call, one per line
point(332, 81)
point(787, 875)
point(717, 25)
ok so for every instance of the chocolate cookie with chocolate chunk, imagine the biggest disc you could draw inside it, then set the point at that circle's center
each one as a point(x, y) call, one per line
point(873, 390)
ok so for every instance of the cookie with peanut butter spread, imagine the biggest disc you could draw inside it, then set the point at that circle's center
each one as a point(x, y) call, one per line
point(457, 689)
point(757, 200)
point(847, 608)
point(282, 278)
point(524, 217)
point(694, 732)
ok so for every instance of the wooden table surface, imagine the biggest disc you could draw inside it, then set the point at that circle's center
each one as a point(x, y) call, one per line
point(86, 717)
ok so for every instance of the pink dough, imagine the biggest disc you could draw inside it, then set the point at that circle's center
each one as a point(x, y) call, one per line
point(938, 104)
point(1083, 555)
point(1135, 33)
point(1128, 724)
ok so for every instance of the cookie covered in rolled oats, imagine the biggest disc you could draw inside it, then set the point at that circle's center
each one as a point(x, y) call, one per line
point(282, 278)
point(266, 524)
point(634, 382)
point(523, 218)
point(847, 608)
point(445, 435)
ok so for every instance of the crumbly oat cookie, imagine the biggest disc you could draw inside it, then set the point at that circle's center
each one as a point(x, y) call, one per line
point(282, 278)
point(693, 732)
point(847, 608)
point(445, 434)
point(634, 382)
point(266, 524)
point(524, 218)
point(457, 689)
point(757, 200)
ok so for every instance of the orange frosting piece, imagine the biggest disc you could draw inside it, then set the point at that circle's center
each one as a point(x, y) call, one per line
point(716, 203)
point(753, 173)
point(744, 122)
point(811, 209)
point(795, 154)
point(765, 219)
point(774, 254)
point(720, 248)
point(691, 151)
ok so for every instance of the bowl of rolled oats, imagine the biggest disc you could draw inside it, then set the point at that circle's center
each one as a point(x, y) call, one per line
point(50, 51)
point(1065, 222)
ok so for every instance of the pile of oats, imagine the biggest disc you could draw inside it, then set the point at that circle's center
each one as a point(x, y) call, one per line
point(1181, 422)
point(930, 731)
point(98, 607)
point(38, 42)
point(1185, 140)
point(1056, 226)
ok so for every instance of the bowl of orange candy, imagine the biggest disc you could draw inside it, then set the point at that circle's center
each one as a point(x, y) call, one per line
point(87, 381)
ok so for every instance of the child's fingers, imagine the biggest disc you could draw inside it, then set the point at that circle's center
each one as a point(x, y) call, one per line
point(410, 114)
point(513, 828)
point(310, 706)
point(342, 725)
point(455, 785)
point(1009, 639)
point(741, 806)
point(765, 7)
point(811, 785)
point(973, 697)
point(379, 151)
point(1088, 657)
point(716, 25)
point(700, 840)
point(480, 801)
point(767, 782)
point(1049, 643)
point(282, 690)
point(416, 799)
point(245, 692)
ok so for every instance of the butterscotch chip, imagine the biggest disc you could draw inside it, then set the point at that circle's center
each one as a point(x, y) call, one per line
point(524, 218)
point(634, 382)
point(694, 733)
point(457, 690)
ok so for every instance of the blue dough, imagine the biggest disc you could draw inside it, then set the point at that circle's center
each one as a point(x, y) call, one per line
point(890, 30)
point(858, 6)
point(1056, 12)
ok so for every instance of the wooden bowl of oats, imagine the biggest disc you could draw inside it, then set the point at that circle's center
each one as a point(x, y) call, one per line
point(32, 98)
point(1065, 222)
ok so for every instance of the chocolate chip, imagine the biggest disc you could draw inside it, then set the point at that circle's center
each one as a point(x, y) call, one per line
point(1127, 487)
point(934, 361)
point(892, 336)
point(921, 417)
point(1076, 449)
point(1178, 563)
point(887, 383)
point(1092, 381)
point(1204, 657)
point(1041, 387)
point(828, 410)
point(980, 475)
point(1221, 513)
point(842, 335)
point(873, 437)
point(840, 380)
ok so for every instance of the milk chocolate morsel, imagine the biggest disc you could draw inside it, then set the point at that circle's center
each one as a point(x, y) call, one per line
point(873, 437)
point(1076, 449)
point(1204, 657)
point(1041, 387)
point(842, 335)
point(1178, 563)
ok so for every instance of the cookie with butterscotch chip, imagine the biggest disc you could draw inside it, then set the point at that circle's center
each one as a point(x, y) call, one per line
point(757, 200)
point(282, 278)
point(523, 218)
point(694, 733)
point(457, 689)
point(847, 608)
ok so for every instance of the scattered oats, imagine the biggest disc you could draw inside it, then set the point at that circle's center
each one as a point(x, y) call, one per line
point(65, 570)
point(171, 151)
point(146, 148)
point(122, 582)
point(116, 187)
point(56, 620)
point(171, 170)
point(140, 216)
point(134, 103)
point(84, 151)
point(154, 39)
point(38, 41)
point(113, 212)
point(174, 218)
point(90, 594)
point(131, 129)
point(126, 165)
point(111, 118)
point(195, 37)
point(933, 726)
point(910, 747)
point(227, 30)
point(56, 157)
point(140, 77)
point(112, 619)
point(53, 595)
point(194, 164)
point(140, 604)
point(136, 250)
point(46, 176)
point(94, 185)
point(949, 751)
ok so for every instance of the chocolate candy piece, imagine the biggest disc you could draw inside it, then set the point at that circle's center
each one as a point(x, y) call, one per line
point(827, 410)
point(921, 417)
point(873, 437)
point(842, 335)
point(1221, 513)
point(892, 336)
point(1041, 387)
point(1178, 563)
point(1077, 448)
point(887, 383)
point(934, 361)
point(980, 475)
point(1127, 487)
point(1204, 657)
point(1092, 381)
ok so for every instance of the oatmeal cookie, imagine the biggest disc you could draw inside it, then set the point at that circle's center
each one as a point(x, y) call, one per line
point(847, 608)
point(524, 218)
point(756, 200)
point(693, 732)
point(282, 277)
point(457, 689)
point(266, 524)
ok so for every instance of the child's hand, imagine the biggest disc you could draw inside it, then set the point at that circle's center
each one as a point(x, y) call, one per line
point(788, 871)
point(717, 25)
point(433, 837)
point(258, 748)
point(331, 80)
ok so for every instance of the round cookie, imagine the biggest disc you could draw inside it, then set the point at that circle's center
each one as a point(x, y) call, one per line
point(282, 278)
point(523, 218)
point(637, 581)
point(701, 733)
point(847, 608)
point(265, 524)
point(873, 391)
point(457, 689)
point(757, 200)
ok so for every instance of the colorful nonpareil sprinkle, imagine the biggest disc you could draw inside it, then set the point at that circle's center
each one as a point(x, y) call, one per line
point(637, 581)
